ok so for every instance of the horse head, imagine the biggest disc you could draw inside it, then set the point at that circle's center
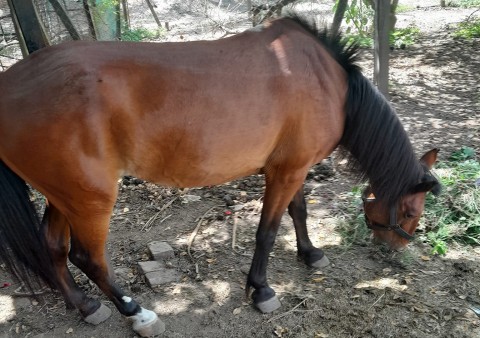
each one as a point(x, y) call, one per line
point(395, 225)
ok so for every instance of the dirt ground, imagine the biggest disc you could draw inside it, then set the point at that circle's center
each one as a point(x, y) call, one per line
point(366, 291)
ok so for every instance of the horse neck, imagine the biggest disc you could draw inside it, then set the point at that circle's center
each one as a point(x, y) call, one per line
point(377, 142)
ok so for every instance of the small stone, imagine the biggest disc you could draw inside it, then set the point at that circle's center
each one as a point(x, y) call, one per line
point(160, 250)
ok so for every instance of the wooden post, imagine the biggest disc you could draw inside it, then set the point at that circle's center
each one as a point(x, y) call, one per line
point(28, 26)
point(155, 16)
point(382, 48)
point(62, 14)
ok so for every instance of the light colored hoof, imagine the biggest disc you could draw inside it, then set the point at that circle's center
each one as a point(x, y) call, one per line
point(321, 263)
point(269, 305)
point(99, 316)
point(147, 324)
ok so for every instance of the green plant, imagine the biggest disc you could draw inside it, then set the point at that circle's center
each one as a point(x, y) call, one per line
point(359, 19)
point(403, 37)
point(351, 225)
point(463, 3)
point(468, 29)
point(455, 214)
point(139, 34)
point(401, 8)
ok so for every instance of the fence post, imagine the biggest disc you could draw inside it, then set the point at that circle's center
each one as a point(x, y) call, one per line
point(28, 26)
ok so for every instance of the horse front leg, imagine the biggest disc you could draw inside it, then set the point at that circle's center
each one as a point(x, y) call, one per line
point(312, 256)
point(279, 191)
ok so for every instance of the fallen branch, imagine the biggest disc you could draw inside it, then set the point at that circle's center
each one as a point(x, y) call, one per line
point(195, 231)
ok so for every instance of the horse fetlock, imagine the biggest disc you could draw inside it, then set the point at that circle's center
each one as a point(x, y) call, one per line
point(146, 323)
point(100, 315)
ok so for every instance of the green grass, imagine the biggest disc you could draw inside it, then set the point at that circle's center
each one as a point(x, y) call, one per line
point(455, 214)
point(351, 223)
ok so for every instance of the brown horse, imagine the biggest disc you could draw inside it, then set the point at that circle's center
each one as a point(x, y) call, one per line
point(274, 100)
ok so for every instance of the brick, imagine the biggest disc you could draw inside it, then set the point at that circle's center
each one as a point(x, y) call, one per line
point(160, 250)
point(150, 266)
point(164, 276)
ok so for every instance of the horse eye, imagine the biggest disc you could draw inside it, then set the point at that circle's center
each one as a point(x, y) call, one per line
point(409, 216)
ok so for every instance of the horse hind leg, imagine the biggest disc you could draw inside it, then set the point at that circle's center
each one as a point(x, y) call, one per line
point(312, 256)
point(56, 233)
point(88, 240)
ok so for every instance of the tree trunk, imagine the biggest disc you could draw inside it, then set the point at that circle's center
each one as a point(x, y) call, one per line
point(382, 48)
point(339, 14)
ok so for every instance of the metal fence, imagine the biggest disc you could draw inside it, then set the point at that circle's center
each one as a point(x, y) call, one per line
point(178, 20)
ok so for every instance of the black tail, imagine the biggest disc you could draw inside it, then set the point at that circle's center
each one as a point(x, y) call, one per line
point(22, 247)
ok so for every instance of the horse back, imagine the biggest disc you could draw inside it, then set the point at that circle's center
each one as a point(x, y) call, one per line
point(182, 114)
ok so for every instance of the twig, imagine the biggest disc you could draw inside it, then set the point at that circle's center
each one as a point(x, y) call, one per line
point(234, 231)
point(288, 312)
point(468, 18)
point(377, 301)
point(433, 287)
point(154, 217)
point(195, 231)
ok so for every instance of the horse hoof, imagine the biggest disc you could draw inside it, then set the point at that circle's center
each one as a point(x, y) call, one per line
point(147, 324)
point(321, 263)
point(269, 305)
point(101, 315)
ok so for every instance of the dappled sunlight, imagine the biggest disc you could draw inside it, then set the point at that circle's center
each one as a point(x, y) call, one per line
point(382, 283)
point(192, 297)
point(7, 309)
point(177, 302)
point(220, 290)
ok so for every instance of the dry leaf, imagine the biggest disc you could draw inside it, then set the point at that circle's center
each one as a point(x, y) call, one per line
point(237, 311)
point(425, 258)
point(318, 280)
point(70, 330)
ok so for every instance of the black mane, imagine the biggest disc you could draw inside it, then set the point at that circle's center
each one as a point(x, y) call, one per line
point(376, 142)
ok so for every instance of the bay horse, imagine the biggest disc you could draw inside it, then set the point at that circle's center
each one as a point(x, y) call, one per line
point(274, 100)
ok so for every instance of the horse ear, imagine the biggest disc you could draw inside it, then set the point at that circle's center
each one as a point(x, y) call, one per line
point(426, 186)
point(429, 158)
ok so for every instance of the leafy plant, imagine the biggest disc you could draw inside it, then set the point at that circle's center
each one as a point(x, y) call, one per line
point(359, 18)
point(463, 3)
point(468, 29)
point(139, 34)
point(403, 37)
